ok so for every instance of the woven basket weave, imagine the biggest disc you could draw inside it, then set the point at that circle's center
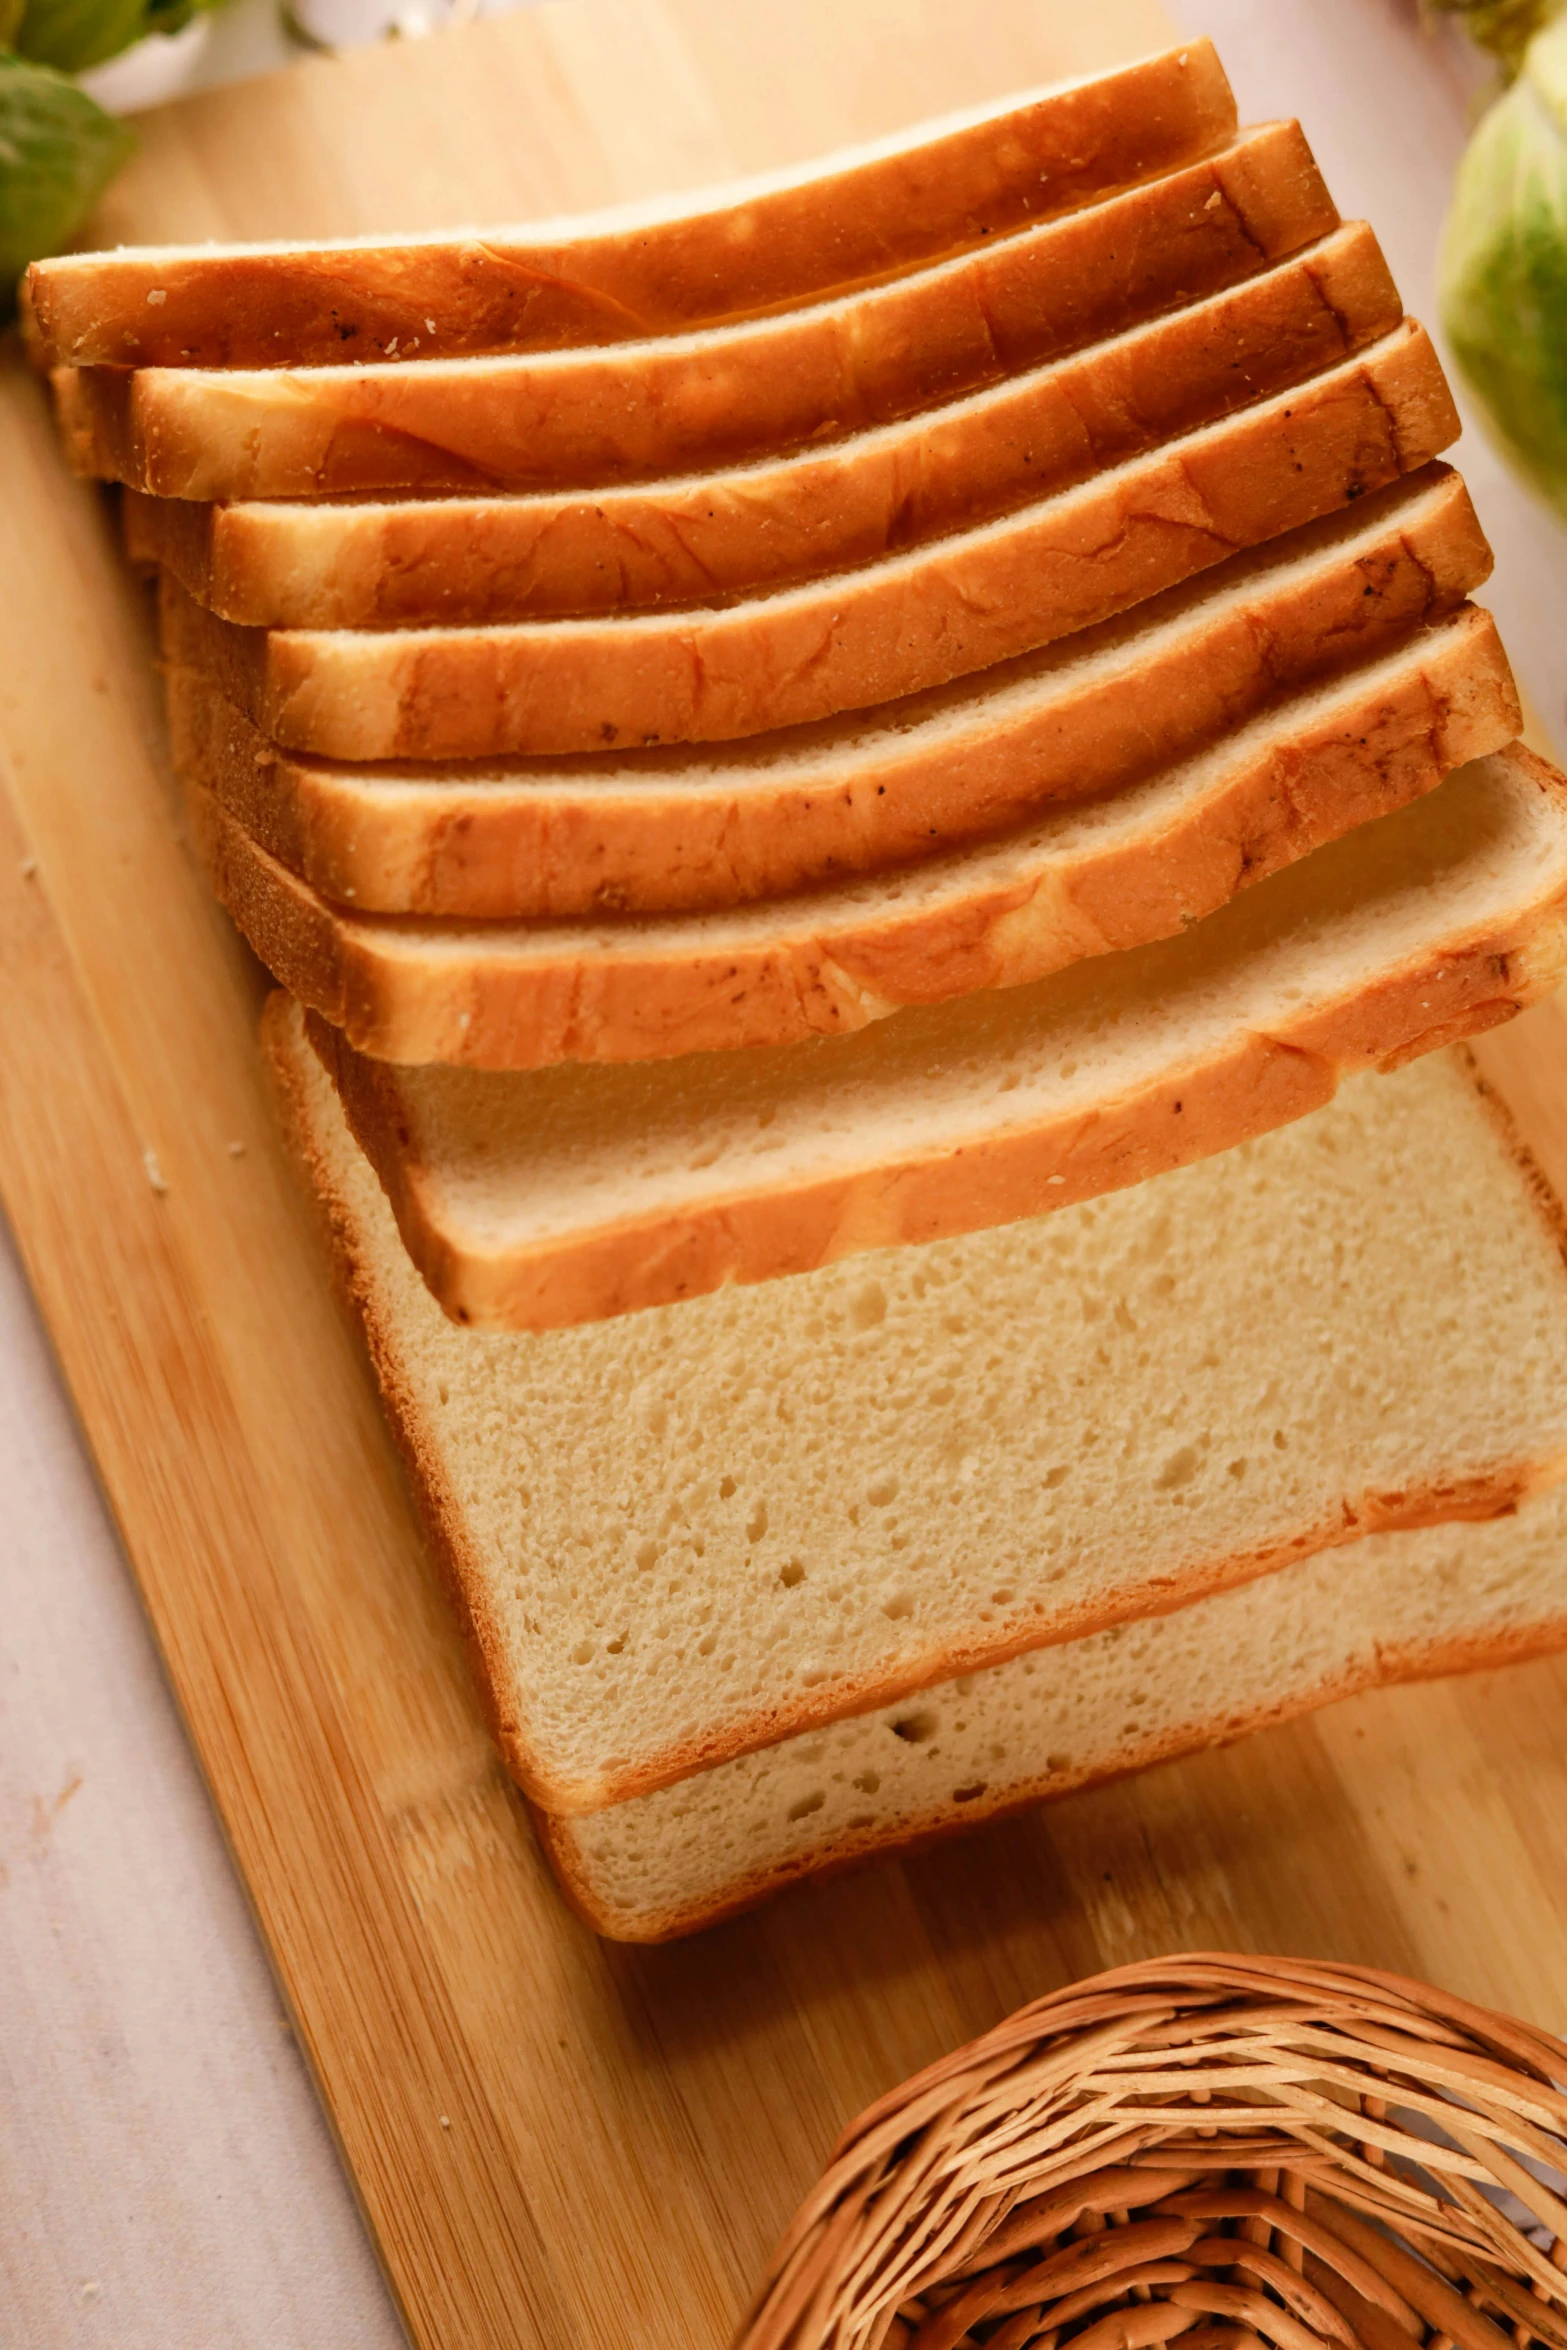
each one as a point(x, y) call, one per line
point(1228, 2153)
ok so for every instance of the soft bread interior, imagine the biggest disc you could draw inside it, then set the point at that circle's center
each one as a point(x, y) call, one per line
point(1392, 1607)
point(712, 1525)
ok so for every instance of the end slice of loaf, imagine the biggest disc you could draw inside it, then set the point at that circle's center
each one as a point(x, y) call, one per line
point(1081, 881)
point(698, 1532)
point(717, 396)
point(378, 563)
point(644, 268)
point(1394, 1607)
point(561, 1195)
point(671, 830)
point(942, 610)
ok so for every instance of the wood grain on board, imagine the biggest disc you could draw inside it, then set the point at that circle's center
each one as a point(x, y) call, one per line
point(558, 2143)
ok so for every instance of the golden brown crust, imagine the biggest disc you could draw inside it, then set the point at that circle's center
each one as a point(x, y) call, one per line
point(1425, 1661)
point(829, 965)
point(841, 223)
point(368, 564)
point(943, 611)
point(626, 411)
point(673, 835)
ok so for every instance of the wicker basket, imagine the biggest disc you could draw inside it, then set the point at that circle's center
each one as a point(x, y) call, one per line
point(1235, 2153)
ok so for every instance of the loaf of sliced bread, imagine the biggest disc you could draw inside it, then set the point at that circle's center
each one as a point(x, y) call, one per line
point(688, 401)
point(699, 1531)
point(645, 268)
point(368, 563)
point(538, 1200)
point(1394, 1607)
point(917, 619)
point(1080, 881)
point(670, 830)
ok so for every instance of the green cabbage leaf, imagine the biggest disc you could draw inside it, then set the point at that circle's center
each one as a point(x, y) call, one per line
point(72, 35)
point(1504, 267)
point(58, 152)
point(1505, 27)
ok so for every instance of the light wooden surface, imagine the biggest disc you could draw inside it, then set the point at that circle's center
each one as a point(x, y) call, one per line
point(557, 2143)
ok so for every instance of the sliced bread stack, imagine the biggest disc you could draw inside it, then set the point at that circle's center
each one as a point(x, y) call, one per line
point(874, 715)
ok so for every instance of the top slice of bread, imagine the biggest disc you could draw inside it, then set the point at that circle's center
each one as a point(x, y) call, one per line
point(646, 268)
point(376, 563)
point(565, 1194)
point(717, 396)
point(703, 1530)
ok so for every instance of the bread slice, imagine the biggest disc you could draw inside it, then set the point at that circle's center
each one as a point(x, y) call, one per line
point(640, 269)
point(537, 1200)
point(697, 1532)
point(377, 563)
point(691, 401)
point(855, 638)
point(1079, 881)
point(672, 830)
point(1394, 1607)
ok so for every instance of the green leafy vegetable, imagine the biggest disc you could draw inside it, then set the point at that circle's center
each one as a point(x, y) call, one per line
point(1505, 27)
point(1504, 266)
point(172, 16)
point(71, 35)
point(58, 152)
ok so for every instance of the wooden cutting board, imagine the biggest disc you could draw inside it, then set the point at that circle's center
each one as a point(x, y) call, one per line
point(557, 2143)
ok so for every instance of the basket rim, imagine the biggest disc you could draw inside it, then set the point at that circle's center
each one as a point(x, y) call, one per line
point(1474, 2098)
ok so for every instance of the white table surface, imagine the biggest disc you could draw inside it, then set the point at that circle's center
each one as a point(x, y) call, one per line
point(1388, 109)
point(166, 2179)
